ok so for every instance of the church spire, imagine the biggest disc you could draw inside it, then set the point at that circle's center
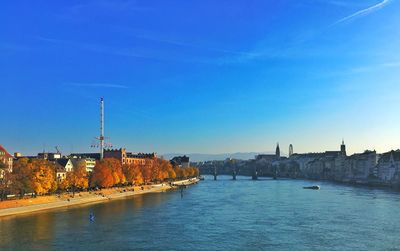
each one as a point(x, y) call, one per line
point(277, 151)
point(343, 148)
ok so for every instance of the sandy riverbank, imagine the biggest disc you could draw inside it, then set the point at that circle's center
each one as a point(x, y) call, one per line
point(30, 205)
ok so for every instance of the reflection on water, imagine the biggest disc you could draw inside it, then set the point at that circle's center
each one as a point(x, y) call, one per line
point(219, 215)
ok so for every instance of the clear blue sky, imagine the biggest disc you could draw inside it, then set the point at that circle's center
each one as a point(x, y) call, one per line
point(201, 76)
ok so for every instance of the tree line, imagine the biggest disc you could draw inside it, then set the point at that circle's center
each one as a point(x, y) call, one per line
point(38, 176)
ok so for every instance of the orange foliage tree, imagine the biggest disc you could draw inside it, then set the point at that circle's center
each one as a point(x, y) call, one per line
point(5, 183)
point(43, 178)
point(21, 177)
point(78, 178)
point(36, 175)
point(146, 170)
point(133, 173)
point(107, 173)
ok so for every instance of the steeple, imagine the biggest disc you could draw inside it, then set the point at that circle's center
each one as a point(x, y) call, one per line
point(277, 151)
point(343, 148)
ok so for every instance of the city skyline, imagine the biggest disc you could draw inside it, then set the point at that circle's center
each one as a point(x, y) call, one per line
point(207, 77)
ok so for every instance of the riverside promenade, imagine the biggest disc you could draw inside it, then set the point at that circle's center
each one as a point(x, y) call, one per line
point(94, 197)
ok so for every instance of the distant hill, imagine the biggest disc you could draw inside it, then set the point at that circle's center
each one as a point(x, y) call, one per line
point(196, 157)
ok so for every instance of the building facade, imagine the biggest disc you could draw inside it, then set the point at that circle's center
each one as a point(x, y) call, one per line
point(63, 166)
point(7, 161)
point(180, 161)
point(388, 167)
point(129, 158)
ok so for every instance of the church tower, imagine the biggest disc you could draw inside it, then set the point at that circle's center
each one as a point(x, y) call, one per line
point(343, 148)
point(277, 151)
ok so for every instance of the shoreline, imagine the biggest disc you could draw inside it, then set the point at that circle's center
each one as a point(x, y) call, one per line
point(91, 198)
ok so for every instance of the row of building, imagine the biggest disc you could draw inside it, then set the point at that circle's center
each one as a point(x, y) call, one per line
point(368, 167)
point(65, 164)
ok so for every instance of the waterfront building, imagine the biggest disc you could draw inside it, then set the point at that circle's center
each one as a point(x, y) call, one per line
point(127, 157)
point(326, 165)
point(360, 167)
point(63, 166)
point(304, 159)
point(389, 166)
point(61, 173)
point(6, 160)
point(180, 161)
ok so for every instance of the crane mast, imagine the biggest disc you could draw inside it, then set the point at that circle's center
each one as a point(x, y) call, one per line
point(101, 138)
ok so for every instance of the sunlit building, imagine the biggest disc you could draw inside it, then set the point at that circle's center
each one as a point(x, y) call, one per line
point(127, 157)
point(6, 160)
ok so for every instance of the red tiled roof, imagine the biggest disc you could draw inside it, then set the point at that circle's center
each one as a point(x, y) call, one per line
point(2, 149)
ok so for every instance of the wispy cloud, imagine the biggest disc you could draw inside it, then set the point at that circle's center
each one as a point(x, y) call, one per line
point(380, 66)
point(142, 52)
point(180, 43)
point(97, 85)
point(363, 12)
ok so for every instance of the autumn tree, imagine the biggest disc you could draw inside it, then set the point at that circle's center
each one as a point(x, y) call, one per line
point(117, 173)
point(127, 169)
point(133, 173)
point(21, 177)
point(166, 170)
point(146, 170)
point(101, 176)
point(171, 173)
point(156, 170)
point(179, 172)
point(78, 178)
point(43, 176)
point(196, 172)
point(107, 173)
point(5, 183)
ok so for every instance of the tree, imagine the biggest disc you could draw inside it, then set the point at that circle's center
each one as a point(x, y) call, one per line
point(179, 172)
point(137, 174)
point(43, 172)
point(77, 179)
point(133, 173)
point(128, 170)
point(21, 180)
point(5, 183)
point(166, 170)
point(36, 175)
point(171, 174)
point(196, 172)
point(101, 176)
point(146, 170)
point(107, 173)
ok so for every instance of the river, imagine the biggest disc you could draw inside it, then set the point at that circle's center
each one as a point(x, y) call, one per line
point(220, 215)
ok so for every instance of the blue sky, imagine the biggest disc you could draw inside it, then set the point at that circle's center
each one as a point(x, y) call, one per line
point(200, 76)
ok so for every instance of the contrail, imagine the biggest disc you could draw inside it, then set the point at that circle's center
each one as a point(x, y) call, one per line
point(363, 12)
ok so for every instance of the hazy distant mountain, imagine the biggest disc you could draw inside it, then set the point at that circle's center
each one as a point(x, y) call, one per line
point(195, 157)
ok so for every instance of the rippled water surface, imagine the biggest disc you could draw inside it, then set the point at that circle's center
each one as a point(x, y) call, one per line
point(220, 215)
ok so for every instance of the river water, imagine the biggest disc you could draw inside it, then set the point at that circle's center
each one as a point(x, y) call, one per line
point(220, 215)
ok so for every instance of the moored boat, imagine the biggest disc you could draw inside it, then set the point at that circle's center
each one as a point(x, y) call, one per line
point(312, 187)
